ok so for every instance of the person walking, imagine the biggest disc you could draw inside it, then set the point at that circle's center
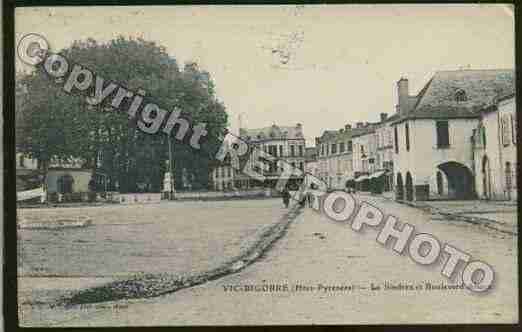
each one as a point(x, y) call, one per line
point(286, 197)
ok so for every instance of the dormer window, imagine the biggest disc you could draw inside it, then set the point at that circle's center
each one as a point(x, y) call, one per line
point(460, 95)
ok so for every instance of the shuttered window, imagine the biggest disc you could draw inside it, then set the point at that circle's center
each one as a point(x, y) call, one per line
point(442, 134)
point(396, 140)
point(407, 133)
point(505, 129)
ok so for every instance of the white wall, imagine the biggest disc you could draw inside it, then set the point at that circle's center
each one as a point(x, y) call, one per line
point(497, 154)
point(81, 179)
point(423, 157)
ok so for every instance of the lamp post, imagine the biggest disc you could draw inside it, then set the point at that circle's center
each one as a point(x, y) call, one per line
point(171, 170)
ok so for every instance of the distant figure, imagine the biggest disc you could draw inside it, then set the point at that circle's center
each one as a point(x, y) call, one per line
point(310, 199)
point(92, 191)
point(286, 197)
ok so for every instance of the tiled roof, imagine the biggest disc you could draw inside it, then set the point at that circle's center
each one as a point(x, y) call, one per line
point(338, 135)
point(272, 132)
point(438, 97)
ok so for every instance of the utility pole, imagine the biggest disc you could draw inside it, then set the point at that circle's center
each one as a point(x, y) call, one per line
point(171, 169)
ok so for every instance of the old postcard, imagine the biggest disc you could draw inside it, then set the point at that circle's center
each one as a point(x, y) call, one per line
point(266, 165)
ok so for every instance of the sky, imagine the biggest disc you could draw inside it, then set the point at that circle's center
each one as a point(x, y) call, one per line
point(323, 66)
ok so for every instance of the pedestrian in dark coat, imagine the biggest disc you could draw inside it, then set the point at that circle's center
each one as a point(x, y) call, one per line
point(286, 197)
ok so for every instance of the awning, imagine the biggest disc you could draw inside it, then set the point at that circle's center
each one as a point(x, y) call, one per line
point(377, 174)
point(361, 178)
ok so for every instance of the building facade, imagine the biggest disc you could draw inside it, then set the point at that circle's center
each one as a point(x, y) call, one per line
point(334, 157)
point(495, 151)
point(284, 143)
point(433, 155)
point(61, 178)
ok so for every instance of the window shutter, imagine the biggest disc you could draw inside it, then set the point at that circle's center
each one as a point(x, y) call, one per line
point(505, 130)
point(513, 129)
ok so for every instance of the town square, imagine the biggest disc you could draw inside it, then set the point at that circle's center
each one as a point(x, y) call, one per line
point(266, 165)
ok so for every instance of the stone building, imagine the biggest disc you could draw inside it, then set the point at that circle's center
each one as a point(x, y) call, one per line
point(433, 155)
point(61, 178)
point(311, 163)
point(364, 155)
point(383, 177)
point(284, 143)
point(495, 150)
point(334, 155)
point(223, 175)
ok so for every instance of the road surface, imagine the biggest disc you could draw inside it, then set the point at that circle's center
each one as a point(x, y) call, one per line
point(333, 275)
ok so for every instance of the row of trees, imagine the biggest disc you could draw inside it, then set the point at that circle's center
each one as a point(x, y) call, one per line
point(52, 125)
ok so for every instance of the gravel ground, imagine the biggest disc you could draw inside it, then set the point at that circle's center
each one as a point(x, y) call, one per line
point(181, 239)
point(317, 251)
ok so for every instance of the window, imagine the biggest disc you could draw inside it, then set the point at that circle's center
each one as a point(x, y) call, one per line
point(460, 95)
point(327, 149)
point(350, 146)
point(396, 140)
point(483, 132)
point(22, 161)
point(442, 134)
point(65, 184)
point(505, 128)
point(341, 147)
point(322, 149)
point(407, 133)
point(300, 150)
point(229, 172)
point(293, 164)
point(272, 150)
point(280, 150)
point(301, 166)
point(334, 148)
point(292, 150)
point(513, 129)
point(508, 176)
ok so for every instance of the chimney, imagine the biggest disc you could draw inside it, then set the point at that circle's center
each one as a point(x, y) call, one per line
point(298, 125)
point(359, 124)
point(347, 127)
point(384, 116)
point(402, 95)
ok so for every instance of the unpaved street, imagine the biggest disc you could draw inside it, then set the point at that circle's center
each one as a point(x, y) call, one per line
point(317, 251)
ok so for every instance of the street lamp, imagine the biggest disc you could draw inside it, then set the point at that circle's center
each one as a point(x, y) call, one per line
point(171, 170)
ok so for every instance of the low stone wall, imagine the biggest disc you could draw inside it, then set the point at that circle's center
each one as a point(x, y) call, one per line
point(212, 195)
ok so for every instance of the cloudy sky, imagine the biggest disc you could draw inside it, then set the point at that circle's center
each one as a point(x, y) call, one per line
point(323, 66)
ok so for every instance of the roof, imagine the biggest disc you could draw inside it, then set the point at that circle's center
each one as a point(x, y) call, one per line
point(273, 132)
point(438, 97)
point(343, 134)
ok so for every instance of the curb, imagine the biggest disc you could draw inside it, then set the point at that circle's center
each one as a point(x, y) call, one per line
point(489, 223)
point(153, 285)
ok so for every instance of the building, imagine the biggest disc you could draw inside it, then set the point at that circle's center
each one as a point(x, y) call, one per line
point(27, 174)
point(61, 178)
point(382, 177)
point(223, 175)
point(284, 143)
point(495, 151)
point(433, 155)
point(364, 155)
point(311, 163)
point(340, 155)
